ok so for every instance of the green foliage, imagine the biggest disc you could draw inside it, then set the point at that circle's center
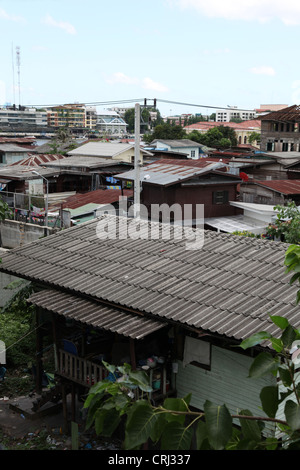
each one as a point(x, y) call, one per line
point(173, 424)
point(287, 223)
point(217, 137)
point(165, 131)
point(5, 211)
point(254, 137)
point(17, 326)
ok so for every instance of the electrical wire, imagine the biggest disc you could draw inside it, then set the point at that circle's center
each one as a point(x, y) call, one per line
point(105, 103)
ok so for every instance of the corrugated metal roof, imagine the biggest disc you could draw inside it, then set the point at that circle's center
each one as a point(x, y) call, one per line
point(164, 173)
point(95, 314)
point(230, 286)
point(281, 186)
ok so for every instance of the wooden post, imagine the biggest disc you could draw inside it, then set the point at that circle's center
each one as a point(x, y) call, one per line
point(73, 403)
point(132, 354)
point(39, 349)
point(65, 408)
point(55, 341)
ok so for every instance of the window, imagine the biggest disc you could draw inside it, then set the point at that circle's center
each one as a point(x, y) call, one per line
point(197, 353)
point(192, 153)
point(220, 197)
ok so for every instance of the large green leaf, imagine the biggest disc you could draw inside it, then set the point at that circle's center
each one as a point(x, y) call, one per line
point(106, 421)
point(269, 400)
point(250, 429)
point(292, 414)
point(263, 364)
point(288, 336)
point(140, 423)
point(279, 321)
point(176, 437)
point(201, 434)
point(175, 404)
point(255, 339)
point(219, 424)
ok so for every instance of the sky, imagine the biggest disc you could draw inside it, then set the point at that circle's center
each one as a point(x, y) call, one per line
point(192, 56)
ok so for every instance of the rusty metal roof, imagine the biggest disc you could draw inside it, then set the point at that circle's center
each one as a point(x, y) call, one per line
point(281, 186)
point(168, 173)
point(95, 314)
point(227, 287)
point(289, 114)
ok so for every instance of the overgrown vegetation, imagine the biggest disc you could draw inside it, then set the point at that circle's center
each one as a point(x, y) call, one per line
point(287, 224)
point(17, 325)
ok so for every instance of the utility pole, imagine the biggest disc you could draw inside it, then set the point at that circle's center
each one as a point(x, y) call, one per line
point(137, 162)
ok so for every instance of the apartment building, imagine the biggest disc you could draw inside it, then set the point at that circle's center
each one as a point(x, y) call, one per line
point(68, 115)
point(11, 116)
point(227, 115)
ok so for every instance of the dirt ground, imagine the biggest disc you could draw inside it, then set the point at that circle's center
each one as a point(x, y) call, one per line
point(23, 429)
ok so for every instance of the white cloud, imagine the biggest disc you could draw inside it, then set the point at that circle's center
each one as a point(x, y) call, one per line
point(120, 77)
point(263, 70)
point(251, 10)
point(147, 83)
point(8, 17)
point(67, 27)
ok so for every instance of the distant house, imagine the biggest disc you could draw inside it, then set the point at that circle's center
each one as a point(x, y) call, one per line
point(115, 151)
point(111, 123)
point(243, 130)
point(10, 153)
point(280, 130)
point(271, 192)
point(188, 183)
point(189, 147)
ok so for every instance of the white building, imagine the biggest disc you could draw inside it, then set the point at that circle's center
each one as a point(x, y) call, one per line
point(233, 112)
point(27, 116)
point(110, 123)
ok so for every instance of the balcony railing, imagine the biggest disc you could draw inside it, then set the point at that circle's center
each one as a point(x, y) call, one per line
point(80, 370)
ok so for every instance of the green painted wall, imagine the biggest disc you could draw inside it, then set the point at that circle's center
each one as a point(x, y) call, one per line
point(226, 383)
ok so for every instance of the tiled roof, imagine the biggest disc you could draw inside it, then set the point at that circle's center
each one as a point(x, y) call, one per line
point(291, 113)
point(244, 125)
point(95, 314)
point(229, 287)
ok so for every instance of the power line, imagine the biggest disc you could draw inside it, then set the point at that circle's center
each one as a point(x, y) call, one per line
point(105, 103)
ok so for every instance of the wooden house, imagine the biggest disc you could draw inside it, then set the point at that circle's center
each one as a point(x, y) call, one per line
point(188, 183)
point(102, 291)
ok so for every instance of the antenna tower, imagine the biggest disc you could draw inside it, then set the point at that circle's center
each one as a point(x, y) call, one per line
point(18, 65)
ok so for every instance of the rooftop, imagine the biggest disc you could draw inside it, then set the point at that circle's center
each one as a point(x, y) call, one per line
point(167, 172)
point(229, 286)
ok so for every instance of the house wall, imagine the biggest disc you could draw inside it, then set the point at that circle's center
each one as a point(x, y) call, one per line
point(280, 136)
point(226, 383)
point(177, 194)
point(14, 234)
point(127, 156)
point(260, 195)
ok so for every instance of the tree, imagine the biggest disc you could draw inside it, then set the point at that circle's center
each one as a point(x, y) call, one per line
point(254, 137)
point(129, 118)
point(165, 131)
point(173, 425)
point(287, 223)
point(5, 210)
